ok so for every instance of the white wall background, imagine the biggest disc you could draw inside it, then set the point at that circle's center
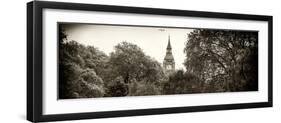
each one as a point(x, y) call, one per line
point(13, 61)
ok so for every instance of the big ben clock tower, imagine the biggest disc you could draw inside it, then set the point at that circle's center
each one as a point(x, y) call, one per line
point(169, 62)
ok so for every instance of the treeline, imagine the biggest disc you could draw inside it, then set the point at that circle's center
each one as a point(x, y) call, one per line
point(87, 72)
point(213, 65)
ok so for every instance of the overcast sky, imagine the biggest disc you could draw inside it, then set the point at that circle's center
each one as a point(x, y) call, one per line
point(152, 40)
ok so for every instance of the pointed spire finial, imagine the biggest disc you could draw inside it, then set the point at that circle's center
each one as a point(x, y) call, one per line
point(169, 37)
point(169, 44)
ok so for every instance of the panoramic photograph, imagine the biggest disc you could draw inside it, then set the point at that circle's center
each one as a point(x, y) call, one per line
point(102, 60)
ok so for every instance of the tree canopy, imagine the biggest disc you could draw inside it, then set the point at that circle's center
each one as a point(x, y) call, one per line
point(225, 57)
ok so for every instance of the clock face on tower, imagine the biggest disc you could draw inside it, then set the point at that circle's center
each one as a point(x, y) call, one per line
point(169, 67)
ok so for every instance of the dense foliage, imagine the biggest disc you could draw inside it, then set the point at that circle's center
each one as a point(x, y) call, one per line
point(223, 60)
point(216, 61)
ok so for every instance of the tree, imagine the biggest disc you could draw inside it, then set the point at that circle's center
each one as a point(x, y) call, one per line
point(142, 88)
point(182, 82)
point(117, 88)
point(130, 62)
point(138, 71)
point(81, 69)
point(88, 85)
point(223, 55)
point(95, 59)
point(68, 75)
point(62, 34)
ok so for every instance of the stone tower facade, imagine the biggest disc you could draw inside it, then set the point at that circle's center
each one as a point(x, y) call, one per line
point(169, 62)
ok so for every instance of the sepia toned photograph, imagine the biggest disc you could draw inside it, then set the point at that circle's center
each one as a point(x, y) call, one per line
point(101, 60)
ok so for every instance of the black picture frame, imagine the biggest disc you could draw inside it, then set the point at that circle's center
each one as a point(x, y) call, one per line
point(34, 60)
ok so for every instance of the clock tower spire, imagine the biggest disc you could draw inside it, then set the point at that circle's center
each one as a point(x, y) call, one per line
point(169, 63)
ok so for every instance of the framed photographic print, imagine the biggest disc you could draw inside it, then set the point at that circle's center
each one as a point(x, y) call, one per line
point(95, 61)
